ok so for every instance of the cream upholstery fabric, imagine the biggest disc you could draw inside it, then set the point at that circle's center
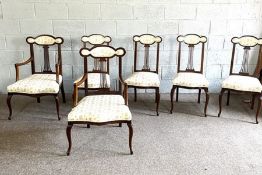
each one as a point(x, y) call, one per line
point(189, 79)
point(36, 84)
point(100, 108)
point(242, 83)
point(94, 80)
point(143, 79)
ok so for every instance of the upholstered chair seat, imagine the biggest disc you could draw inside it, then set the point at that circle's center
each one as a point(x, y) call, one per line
point(189, 79)
point(36, 84)
point(94, 81)
point(242, 83)
point(89, 109)
point(143, 79)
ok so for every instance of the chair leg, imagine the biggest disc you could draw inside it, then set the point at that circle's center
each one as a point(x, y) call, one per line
point(158, 101)
point(87, 125)
point(9, 97)
point(220, 101)
point(253, 101)
point(38, 99)
point(57, 106)
point(63, 92)
point(228, 97)
point(68, 134)
point(177, 91)
point(156, 96)
point(258, 108)
point(172, 98)
point(135, 94)
point(199, 95)
point(207, 100)
point(129, 124)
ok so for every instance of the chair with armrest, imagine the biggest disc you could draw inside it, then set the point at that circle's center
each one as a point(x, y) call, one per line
point(42, 83)
point(107, 107)
point(96, 73)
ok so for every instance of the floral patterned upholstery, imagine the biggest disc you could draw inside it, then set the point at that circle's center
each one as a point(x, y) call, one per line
point(242, 83)
point(36, 84)
point(143, 79)
point(100, 108)
point(94, 80)
point(189, 79)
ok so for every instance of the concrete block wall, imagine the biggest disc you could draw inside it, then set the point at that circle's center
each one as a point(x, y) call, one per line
point(219, 20)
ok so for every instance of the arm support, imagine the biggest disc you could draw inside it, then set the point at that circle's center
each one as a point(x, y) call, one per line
point(125, 94)
point(76, 84)
point(17, 65)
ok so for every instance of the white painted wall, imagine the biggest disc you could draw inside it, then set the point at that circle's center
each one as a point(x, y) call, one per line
point(219, 20)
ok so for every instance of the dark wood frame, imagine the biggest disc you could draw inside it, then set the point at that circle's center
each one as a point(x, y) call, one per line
point(46, 70)
point(176, 87)
point(157, 93)
point(254, 94)
point(85, 79)
point(96, 90)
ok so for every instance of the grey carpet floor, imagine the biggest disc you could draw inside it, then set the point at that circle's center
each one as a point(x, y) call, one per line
point(185, 142)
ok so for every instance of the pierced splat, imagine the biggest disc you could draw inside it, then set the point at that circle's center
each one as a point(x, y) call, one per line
point(46, 60)
point(190, 63)
point(146, 59)
point(147, 40)
point(244, 66)
point(46, 41)
point(191, 40)
point(96, 40)
point(247, 42)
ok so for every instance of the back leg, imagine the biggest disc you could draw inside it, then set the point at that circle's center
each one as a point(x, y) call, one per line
point(9, 97)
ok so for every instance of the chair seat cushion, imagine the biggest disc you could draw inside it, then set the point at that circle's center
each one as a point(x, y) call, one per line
point(100, 108)
point(94, 81)
point(242, 83)
point(143, 79)
point(190, 79)
point(36, 84)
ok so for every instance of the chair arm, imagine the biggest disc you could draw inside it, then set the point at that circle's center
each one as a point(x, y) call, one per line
point(17, 65)
point(76, 84)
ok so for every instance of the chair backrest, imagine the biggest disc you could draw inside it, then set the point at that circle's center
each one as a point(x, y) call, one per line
point(191, 40)
point(95, 40)
point(146, 40)
point(45, 41)
point(103, 53)
point(246, 42)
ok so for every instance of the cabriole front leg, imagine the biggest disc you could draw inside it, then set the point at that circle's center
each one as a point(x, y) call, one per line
point(129, 124)
point(68, 134)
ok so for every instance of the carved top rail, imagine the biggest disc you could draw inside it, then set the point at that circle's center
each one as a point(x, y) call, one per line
point(44, 40)
point(102, 51)
point(147, 39)
point(96, 39)
point(247, 41)
point(192, 39)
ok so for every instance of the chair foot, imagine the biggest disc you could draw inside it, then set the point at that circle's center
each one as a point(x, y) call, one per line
point(87, 125)
point(38, 99)
point(9, 97)
point(68, 134)
point(129, 124)
point(120, 125)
